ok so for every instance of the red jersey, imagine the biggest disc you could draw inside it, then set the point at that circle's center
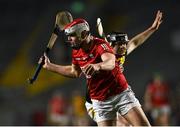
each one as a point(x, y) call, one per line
point(105, 83)
point(57, 105)
point(159, 94)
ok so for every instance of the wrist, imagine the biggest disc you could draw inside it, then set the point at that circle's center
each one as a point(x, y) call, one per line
point(48, 67)
point(98, 66)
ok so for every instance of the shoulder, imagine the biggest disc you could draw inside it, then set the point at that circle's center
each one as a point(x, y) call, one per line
point(101, 46)
point(101, 43)
point(99, 40)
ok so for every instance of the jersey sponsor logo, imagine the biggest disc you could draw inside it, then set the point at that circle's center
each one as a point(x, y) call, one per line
point(81, 58)
point(84, 57)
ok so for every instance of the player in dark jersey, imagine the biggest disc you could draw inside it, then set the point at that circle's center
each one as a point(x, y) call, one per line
point(107, 85)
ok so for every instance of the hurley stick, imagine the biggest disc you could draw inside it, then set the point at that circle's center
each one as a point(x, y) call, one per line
point(62, 19)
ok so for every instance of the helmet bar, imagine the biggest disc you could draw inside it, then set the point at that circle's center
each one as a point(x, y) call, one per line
point(78, 27)
point(117, 38)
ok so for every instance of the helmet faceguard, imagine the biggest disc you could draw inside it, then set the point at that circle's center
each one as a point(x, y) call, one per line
point(75, 28)
point(117, 38)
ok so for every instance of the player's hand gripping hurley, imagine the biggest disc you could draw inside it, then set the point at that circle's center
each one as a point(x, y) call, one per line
point(62, 18)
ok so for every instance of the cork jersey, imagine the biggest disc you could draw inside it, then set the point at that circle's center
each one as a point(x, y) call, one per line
point(120, 59)
point(159, 94)
point(105, 83)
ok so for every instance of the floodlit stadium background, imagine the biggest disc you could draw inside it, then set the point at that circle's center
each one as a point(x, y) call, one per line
point(25, 29)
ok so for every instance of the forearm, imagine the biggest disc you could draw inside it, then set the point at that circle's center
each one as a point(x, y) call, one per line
point(108, 62)
point(139, 39)
point(66, 71)
point(106, 65)
point(142, 37)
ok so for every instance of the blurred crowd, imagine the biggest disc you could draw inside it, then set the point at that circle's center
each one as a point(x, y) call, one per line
point(161, 101)
point(161, 105)
point(64, 111)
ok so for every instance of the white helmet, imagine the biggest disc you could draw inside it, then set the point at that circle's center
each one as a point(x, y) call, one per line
point(76, 27)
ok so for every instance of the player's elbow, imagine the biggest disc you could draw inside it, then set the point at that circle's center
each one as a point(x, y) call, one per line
point(75, 71)
point(76, 74)
point(111, 64)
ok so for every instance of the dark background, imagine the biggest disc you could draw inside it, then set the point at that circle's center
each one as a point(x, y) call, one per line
point(25, 29)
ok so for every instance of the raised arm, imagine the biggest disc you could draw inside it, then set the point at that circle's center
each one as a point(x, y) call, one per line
point(142, 37)
point(71, 71)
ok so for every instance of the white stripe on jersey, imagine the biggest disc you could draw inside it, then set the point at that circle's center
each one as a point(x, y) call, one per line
point(105, 47)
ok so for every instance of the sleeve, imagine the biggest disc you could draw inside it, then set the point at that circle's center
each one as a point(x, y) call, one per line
point(103, 48)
